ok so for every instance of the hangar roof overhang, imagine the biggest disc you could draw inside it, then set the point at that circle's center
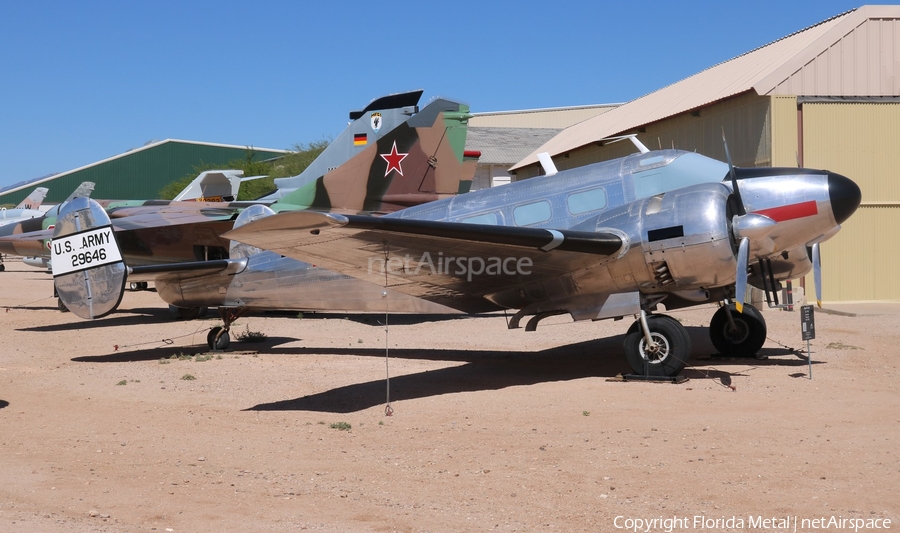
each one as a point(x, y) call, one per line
point(148, 146)
point(776, 68)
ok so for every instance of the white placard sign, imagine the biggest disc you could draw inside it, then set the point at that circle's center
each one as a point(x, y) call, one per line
point(87, 249)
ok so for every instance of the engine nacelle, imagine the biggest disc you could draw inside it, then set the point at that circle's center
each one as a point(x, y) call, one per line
point(685, 242)
point(686, 239)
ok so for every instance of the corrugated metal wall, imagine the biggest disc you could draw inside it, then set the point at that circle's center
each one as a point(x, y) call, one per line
point(746, 120)
point(784, 131)
point(866, 61)
point(860, 141)
point(139, 175)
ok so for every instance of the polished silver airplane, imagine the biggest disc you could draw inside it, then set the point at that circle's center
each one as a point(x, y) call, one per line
point(607, 240)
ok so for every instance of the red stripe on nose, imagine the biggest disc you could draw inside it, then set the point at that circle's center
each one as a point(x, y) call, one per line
point(790, 212)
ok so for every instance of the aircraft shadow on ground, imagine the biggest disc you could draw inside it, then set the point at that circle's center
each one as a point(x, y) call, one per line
point(482, 369)
point(131, 317)
point(3, 403)
point(489, 370)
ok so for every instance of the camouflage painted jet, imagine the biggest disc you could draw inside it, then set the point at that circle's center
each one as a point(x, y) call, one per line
point(602, 241)
point(391, 156)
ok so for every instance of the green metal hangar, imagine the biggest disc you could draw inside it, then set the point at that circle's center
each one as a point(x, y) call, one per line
point(827, 97)
point(139, 174)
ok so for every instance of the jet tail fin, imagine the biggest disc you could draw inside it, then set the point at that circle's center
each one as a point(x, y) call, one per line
point(82, 191)
point(213, 186)
point(420, 160)
point(88, 270)
point(34, 200)
point(378, 118)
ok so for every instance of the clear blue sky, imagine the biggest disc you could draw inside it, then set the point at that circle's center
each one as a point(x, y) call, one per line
point(83, 81)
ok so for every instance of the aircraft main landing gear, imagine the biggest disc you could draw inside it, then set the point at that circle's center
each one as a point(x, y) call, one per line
point(660, 351)
point(737, 334)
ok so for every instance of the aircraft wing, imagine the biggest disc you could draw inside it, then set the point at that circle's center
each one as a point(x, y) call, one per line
point(455, 264)
point(153, 216)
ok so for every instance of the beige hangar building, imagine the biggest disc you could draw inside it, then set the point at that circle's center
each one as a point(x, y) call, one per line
point(826, 97)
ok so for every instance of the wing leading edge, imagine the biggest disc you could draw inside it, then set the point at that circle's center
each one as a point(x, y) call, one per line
point(458, 265)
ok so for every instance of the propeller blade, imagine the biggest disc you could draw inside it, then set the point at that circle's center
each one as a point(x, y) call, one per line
point(817, 272)
point(740, 278)
point(734, 183)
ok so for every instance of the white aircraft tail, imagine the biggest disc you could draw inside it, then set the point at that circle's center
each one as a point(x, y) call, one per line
point(34, 200)
point(214, 186)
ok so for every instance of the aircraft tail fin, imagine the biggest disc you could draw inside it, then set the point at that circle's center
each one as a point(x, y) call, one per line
point(420, 160)
point(213, 186)
point(82, 191)
point(88, 270)
point(34, 200)
point(378, 118)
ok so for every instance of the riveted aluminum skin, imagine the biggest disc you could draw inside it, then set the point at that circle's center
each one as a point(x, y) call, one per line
point(93, 292)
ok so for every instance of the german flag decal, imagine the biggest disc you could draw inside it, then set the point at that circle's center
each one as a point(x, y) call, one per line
point(360, 139)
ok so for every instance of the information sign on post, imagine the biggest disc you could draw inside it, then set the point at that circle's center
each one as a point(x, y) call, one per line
point(808, 329)
point(807, 322)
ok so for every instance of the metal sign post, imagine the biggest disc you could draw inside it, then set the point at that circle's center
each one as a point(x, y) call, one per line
point(808, 329)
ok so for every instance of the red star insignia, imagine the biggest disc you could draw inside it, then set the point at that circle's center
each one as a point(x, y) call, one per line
point(393, 160)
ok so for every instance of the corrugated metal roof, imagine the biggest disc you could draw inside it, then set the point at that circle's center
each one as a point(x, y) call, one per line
point(505, 146)
point(553, 117)
point(763, 70)
point(148, 146)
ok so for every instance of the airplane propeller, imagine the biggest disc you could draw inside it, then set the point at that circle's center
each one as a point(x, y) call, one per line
point(741, 225)
point(817, 272)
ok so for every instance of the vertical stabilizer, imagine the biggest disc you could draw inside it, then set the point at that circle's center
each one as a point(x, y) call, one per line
point(420, 160)
point(368, 125)
point(34, 200)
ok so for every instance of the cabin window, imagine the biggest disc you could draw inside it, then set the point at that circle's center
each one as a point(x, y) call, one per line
point(584, 201)
point(486, 218)
point(533, 213)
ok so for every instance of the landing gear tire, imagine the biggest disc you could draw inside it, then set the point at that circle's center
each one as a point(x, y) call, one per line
point(61, 306)
point(218, 339)
point(748, 336)
point(673, 347)
point(138, 285)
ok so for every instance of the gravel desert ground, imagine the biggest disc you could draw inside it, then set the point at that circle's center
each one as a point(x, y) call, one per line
point(128, 424)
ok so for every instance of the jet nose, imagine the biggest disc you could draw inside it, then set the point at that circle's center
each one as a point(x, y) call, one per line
point(845, 196)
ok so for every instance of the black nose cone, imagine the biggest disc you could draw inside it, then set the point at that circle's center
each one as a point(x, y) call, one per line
point(845, 196)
